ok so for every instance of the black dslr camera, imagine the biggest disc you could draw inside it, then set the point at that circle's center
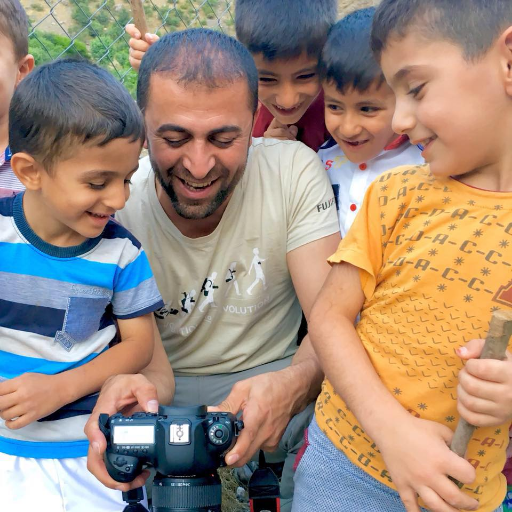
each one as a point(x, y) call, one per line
point(185, 445)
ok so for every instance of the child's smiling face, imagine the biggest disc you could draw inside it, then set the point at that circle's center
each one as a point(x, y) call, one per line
point(360, 122)
point(455, 108)
point(287, 87)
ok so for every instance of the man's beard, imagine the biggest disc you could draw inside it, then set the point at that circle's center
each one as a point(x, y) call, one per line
point(197, 209)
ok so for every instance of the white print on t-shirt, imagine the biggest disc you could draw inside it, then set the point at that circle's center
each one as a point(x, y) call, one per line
point(188, 301)
point(231, 279)
point(208, 289)
point(260, 276)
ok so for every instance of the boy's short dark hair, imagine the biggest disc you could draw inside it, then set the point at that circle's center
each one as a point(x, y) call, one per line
point(347, 59)
point(284, 29)
point(473, 25)
point(14, 26)
point(198, 56)
point(67, 103)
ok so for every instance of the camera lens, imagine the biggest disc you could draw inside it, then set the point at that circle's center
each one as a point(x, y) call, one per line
point(193, 494)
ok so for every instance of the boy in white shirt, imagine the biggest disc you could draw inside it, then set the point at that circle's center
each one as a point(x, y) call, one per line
point(359, 108)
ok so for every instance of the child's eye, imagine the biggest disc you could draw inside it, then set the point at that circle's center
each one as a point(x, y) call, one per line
point(308, 76)
point(267, 80)
point(97, 186)
point(369, 110)
point(415, 92)
point(333, 108)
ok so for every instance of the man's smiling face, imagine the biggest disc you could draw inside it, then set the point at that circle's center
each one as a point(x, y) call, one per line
point(198, 139)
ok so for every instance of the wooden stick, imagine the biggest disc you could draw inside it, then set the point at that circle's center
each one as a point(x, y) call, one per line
point(495, 347)
point(139, 17)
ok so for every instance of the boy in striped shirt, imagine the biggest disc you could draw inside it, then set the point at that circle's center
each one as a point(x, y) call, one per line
point(68, 274)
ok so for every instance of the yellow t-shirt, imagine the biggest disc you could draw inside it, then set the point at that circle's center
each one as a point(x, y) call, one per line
point(435, 260)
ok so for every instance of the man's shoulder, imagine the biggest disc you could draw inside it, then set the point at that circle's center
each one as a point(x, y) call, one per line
point(280, 154)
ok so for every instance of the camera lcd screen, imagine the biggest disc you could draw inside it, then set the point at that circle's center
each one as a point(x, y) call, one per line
point(134, 434)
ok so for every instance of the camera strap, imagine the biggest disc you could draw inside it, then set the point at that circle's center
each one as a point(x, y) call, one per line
point(264, 489)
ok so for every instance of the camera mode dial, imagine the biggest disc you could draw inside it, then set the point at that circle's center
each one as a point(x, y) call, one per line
point(218, 434)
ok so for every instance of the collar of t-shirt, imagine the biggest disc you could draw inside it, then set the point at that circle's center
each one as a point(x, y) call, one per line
point(5, 156)
point(311, 125)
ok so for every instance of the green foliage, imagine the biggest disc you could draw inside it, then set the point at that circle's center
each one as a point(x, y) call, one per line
point(46, 47)
point(104, 41)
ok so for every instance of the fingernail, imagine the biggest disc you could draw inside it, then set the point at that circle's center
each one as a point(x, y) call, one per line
point(232, 459)
point(119, 488)
point(462, 351)
point(96, 448)
point(152, 406)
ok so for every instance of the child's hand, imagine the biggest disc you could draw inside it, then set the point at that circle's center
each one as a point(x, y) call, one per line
point(30, 397)
point(281, 131)
point(485, 387)
point(138, 46)
point(419, 461)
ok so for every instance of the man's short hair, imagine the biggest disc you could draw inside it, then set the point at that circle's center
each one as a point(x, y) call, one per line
point(200, 57)
point(347, 59)
point(14, 26)
point(473, 25)
point(284, 29)
point(67, 103)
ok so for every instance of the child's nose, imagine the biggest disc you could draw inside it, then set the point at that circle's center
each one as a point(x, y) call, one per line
point(350, 125)
point(117, 197)
point(288, 96)
point(403, 119)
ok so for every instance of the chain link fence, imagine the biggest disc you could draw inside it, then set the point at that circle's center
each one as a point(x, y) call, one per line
point(95, 28)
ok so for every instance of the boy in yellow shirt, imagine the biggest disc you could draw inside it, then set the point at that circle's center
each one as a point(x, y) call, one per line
point(426, 262)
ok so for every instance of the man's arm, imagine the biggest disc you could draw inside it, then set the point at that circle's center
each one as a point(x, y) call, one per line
point(415, 450)
point(268, 401)
point(128, 393)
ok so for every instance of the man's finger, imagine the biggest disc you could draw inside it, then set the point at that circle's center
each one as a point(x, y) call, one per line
point(249, 440)
point(294, 130)
point(233, 402)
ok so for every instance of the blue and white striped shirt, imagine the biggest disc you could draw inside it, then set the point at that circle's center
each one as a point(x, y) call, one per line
point(57, 310)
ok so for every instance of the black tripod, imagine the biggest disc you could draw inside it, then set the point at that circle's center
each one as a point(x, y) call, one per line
point(133, 497)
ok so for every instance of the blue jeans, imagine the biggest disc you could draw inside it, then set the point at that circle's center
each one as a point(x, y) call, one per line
point(326, 481)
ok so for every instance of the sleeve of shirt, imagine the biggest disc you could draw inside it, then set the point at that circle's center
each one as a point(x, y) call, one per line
point(135, 289)
point(311, 205)
point(366, 240)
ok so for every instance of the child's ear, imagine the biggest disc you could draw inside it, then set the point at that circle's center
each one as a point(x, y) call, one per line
point(506, 37)
point(27, 170)
point(25, 66)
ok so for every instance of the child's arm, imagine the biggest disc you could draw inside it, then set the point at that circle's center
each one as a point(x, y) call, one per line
point(415, 450)
point(485, 387)
point(32, 396)
point(138, 46)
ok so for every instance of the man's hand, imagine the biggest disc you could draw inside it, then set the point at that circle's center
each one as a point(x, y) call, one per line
point(29, 397)
point(277, 130)
point(485, 387)
point(266, 407)
point(138, 46)
point(419, 461)
point(126, 394)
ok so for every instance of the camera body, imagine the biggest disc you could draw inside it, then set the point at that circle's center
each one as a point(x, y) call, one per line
point(183, 442)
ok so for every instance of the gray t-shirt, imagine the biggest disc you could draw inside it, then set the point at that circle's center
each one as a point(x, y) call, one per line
point(229, 299)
